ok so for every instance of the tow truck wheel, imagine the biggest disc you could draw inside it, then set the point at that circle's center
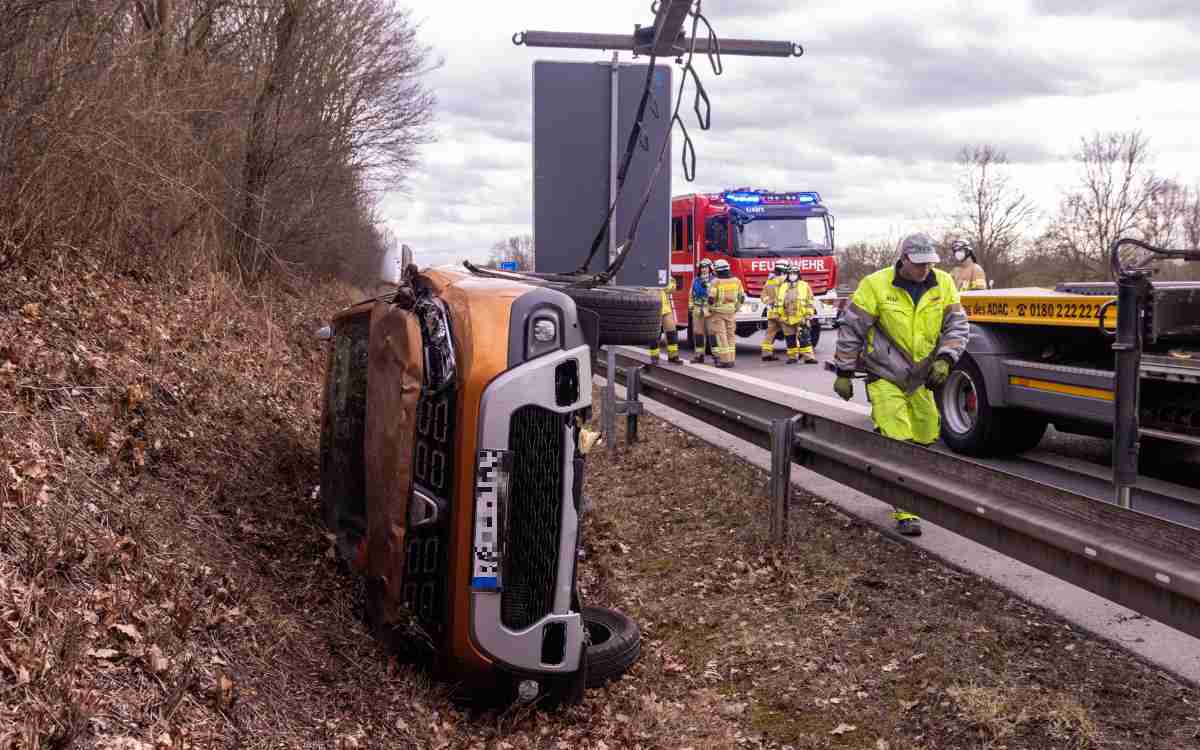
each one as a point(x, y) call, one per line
point(973, 427)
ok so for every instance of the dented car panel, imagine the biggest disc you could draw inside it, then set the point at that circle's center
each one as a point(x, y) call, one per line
point(475, 392)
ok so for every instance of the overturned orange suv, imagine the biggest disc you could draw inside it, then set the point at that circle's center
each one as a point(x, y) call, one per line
point(452, 457)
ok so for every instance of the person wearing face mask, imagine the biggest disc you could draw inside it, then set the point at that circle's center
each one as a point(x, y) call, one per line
point(769, 297)
point(968, 275)
point(906, 327)
point(698, 306)
point(796, 306)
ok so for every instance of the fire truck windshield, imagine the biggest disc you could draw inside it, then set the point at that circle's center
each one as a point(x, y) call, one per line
point(782, 236)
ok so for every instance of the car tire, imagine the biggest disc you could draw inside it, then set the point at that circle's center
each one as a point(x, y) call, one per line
point(614, 644)
point(971, 426)
point(627, 316)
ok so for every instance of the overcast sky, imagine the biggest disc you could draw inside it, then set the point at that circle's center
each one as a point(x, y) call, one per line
point(871, 116)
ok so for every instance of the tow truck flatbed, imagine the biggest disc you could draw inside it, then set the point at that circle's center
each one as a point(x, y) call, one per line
point(1079, 305)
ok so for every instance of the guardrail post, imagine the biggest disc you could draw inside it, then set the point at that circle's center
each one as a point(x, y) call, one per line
point(1132, 292)
point(782, 431)
point(633, 392)
point(608, 419)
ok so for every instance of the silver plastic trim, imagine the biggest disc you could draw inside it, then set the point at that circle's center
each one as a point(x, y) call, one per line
point(533, 383)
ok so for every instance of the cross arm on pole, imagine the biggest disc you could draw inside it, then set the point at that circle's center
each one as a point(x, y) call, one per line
point(631, 43)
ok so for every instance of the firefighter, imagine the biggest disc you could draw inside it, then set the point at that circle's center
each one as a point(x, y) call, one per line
point(725, 298)
point(906, 327)
point(796, 306)
point(698, 306)
point(968, 274)
point(769, 298)
point(668, 326)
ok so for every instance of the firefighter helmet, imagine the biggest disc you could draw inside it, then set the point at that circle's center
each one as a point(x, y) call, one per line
point(705, 263)
point(783, 267)
point(721, 265)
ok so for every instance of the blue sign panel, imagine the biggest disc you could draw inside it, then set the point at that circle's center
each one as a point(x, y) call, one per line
point(508, 265)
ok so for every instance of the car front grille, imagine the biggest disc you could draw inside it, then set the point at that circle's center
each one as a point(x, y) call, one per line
point(534, 516)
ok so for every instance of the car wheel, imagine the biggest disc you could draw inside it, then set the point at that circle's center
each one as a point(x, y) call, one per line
point(614, 644)
point(627, 316)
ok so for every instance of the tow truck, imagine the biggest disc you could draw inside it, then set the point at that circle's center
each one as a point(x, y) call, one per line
point(1037, 357)
point(754, 229)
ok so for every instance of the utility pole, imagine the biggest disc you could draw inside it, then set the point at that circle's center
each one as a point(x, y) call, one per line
point(665, 37)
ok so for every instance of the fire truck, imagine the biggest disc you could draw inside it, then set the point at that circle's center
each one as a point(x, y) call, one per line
point(753, 230)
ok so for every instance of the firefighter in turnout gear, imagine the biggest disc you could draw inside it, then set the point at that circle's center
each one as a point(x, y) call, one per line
point(796, 307)
point(968, 275)
point(906, 327)
point(698, 307)
point(769, 298)
point(668, 326)
point(725, 298)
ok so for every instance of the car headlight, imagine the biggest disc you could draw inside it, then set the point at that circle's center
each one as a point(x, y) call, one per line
point(543, 333)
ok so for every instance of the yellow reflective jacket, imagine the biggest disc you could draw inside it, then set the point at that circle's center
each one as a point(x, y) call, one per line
point(769, 295)
point(726, 295)
point(969, 276)
point(795, 302)
point(883, 332)
point(665, 294)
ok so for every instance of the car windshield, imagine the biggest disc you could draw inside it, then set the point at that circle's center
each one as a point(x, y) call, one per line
point(775, 236)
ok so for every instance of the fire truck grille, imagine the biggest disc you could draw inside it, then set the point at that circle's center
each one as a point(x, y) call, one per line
point(536, 440)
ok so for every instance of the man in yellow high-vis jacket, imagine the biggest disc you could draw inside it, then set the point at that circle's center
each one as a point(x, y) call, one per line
point(769, 298)
point(796, 306)
point(905, 326)
point(725, 298)
point(669, 329)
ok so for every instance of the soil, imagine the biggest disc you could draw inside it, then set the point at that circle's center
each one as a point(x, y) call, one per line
point(165, 581)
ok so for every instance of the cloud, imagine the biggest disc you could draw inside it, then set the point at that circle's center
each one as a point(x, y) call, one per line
point(872, 116)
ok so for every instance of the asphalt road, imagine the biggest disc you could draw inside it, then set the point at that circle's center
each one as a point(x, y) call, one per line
point(1072, 462)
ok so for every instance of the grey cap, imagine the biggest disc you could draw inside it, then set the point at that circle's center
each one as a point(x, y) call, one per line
point(919, 248)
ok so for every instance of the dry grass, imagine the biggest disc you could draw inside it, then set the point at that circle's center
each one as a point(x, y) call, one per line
point(165, 581)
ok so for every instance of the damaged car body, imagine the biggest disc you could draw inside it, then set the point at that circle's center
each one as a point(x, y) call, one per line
point(452, 474)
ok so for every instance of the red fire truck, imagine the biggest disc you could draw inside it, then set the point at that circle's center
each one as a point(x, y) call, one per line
point(754, 230)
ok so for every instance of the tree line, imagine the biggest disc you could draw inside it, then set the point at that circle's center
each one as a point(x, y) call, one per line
point(255, 134)
point(1117, 193)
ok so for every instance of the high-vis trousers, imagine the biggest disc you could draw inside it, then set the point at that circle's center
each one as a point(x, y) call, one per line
point(725, 327)
point(901, 416)
point(699, 334)
point(799, 339)
point(768, 343)
point(672, 336)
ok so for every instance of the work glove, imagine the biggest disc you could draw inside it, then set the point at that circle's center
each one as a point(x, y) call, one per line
point(844, 387)
point(938, 373)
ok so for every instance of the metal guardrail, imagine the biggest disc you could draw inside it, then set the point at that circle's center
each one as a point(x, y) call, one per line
point(1146, 563)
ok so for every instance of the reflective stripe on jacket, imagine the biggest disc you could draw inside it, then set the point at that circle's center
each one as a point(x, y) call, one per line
point(769, 295)
point(726, 295)
point(885, 334)
point(795, 302)
point(969, 277)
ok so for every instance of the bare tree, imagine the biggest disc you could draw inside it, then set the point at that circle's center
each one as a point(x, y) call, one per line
point(993, 214)
point(859, 259)
point(517, 248)
point(1117, 186)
